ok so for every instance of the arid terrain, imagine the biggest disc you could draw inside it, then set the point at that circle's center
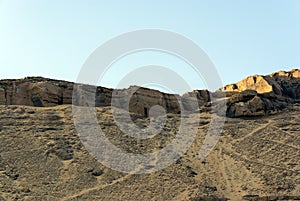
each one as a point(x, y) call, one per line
point(258, 154)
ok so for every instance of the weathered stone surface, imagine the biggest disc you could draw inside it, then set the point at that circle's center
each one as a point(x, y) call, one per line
point(256, 82)
point(253, 96)
point(281, 83)
point(243, 96)
point(2, 96)
point(260, 95)
point(35, 91)
point(42, 92)
point(203, 95)
point(254, 107)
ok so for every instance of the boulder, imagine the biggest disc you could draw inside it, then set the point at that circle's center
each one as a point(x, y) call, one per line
point(252, 107)
point(244, 96)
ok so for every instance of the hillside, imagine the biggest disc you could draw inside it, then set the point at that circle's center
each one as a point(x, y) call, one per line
point(258, 153)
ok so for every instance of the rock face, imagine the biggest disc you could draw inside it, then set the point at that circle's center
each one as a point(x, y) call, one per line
point(260, 95)
point(140, 100)
point(253, 96)
point(280, 83)
point(251, 103)
point(43, 92)
point(35, 91)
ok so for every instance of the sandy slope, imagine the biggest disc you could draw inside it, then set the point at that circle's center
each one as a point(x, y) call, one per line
point(42, 158)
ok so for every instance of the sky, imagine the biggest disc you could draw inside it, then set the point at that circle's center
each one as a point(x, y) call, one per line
point(54, 38)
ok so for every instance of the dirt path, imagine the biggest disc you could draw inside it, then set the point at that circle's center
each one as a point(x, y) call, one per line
point(260, 128)
point(85, 191)
point(224, 167)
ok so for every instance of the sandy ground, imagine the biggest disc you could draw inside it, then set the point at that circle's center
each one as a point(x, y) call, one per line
point(42, 158)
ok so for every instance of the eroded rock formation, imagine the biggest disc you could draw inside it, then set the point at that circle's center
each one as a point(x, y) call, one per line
point(35, 91)
point(43, 92)
point(280, 83)
point(260, 95)
point(253, 96)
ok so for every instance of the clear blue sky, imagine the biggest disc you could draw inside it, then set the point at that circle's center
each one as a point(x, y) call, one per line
point(53, 38)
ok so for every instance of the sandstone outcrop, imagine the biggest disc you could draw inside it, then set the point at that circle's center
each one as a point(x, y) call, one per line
point(281, 83)
point(35, 91)
point(260, 95)
point(253, 96)
point(43, 92)
point(250, 103)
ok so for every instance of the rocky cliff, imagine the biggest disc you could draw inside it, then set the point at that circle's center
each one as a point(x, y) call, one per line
point(35, 91)
point(260, 95)
point(43, 92)
point(253, 96)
